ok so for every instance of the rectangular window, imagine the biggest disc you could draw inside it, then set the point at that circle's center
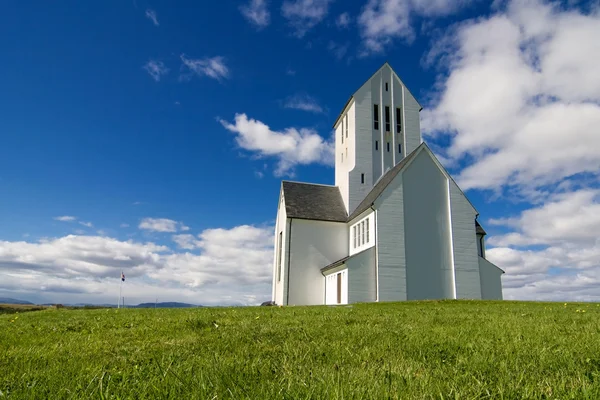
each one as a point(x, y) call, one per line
point(386, 86)
point(362, 178)
point(346, 125)
point(376, 117)
point(400, 148)
point(354, 235)
point(398, 120)
point(342, 157)
point(279, 257)
point(376, 145)
point(387, 118)
point(363, 232)
point(388, 146)
point(367, 230)
point(342, 131)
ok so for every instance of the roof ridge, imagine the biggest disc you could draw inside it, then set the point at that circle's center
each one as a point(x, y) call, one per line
point(382, 183)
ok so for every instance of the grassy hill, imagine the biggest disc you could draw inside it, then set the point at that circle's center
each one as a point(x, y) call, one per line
point(420, 350)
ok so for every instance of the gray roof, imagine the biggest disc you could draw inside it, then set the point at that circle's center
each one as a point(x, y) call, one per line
point(479, 228)
point(334, 264)
point(310, 201)
point(380, 186)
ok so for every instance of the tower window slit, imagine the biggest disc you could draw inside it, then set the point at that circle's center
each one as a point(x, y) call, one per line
point(398, 120)
point(387, 118)
point(376, 117)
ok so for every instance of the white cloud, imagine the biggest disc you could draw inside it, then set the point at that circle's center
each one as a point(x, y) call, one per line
point(383, 21)
point(233, 265)
point(291, 146)
point(303, 102)
point(338, 50)
point(303, 15)
point(186, 241)
point(65, 218)
point(343, 20)
point(124, 225)
point(162, 225)
point(257, 13)
point(80, 231)
point(151, 15)
point(88, 224)
point(521, 99)
point(156, 69)
point(564, 262)
point(212, 67)
point(573, 217)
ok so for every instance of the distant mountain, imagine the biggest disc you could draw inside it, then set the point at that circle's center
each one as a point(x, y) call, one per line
point(168, 304)
point(8, 300)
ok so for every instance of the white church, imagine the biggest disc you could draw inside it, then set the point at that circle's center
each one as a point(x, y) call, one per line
point(394, 227)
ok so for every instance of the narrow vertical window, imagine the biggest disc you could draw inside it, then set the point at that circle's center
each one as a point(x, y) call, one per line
point(346, 153)
point(367, 230)
point(342, 157)
point(388, 146)
point(362, 178)
point(279, 257)
point(387, 118)
point(400, 148)
point(363, 232)
point(346, 125)
point(342, 131)
point(376, 117)
point(354, 235)
point(386, 86)
point(376, 145)
point(398, 120)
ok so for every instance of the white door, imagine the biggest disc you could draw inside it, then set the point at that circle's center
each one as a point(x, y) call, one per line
point(336, 288)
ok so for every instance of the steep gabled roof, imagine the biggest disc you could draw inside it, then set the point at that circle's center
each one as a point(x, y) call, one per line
point(312, 201)
point(371, 77)
point(380, 186)
point(389, 176)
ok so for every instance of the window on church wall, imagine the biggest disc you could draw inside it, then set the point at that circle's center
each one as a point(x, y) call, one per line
point(387, 118)
point(367, 221)
point(376, 117)
point(362, 178)
point(376, 145)
point(398, 120)
point(386, 86)
point(388, 147)
point(354, 236)
point(363, 232)
point(346, 125)
point(400, 148)
point(342, 157)
point(342, 131)
point(279, 249)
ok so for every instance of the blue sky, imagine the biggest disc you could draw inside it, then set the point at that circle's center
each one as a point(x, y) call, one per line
point(121, 117)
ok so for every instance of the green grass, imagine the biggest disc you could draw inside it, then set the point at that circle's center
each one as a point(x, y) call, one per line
point(411, 350)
